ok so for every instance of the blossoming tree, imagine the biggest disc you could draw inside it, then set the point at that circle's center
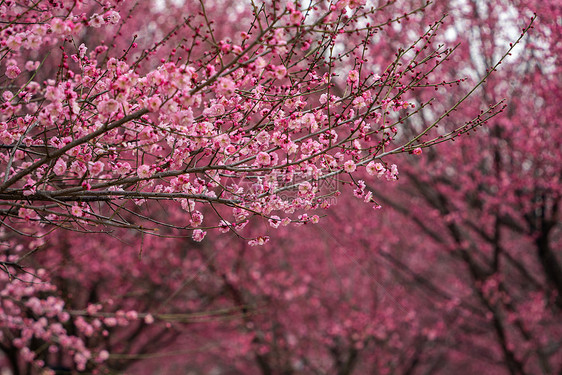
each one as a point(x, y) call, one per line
point(121, 116)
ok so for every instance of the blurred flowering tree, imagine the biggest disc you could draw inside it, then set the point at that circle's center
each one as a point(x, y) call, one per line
point(119, 116)
point(493, 220)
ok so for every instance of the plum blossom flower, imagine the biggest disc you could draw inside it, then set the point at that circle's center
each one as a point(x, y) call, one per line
point(275, 221)
point(359, 102)
point(58, 26)
point(198, 235)
point(375, 168)
point(263, 158)
point(353, 77)
point(260, 241)
point(13, 71)
point(327, 136)
point(280, 71)
point(82, 50)
point(96, 168)
point(309, 121)
point(196, 219)
point(349, 166)
point(112, 17)
point(30, 66)
point(225, 86)
point(291, 147)
point(6, 137)
point(153, 103)
point(97, 21)
point(143, 171)
point(224, 226)
point(78, 168)
point(14, 42)
point(263, 138)
point(123, 168)
point(417, 151)
point(392, 173)
point(360, 190)
point(76, 211)
point(305, 188)
point(7, 95)
point(230, 149)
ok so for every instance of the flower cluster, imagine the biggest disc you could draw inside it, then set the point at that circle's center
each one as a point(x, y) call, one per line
point(33, 316)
